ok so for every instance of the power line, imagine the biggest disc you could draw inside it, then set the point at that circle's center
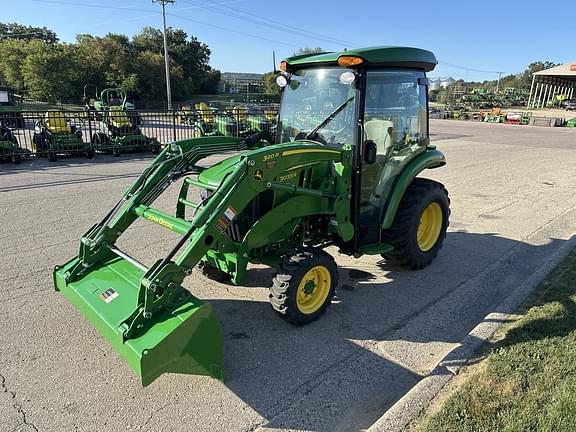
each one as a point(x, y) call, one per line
point(91, 5)
point(469, 69)
point(278, 26)
point(233, 31)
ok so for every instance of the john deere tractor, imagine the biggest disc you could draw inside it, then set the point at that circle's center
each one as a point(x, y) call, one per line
point(55, 134)
point(345, 178)
point(115, 133)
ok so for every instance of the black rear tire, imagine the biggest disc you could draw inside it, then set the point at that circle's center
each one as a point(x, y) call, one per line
point(304, 286)
point(422, 194)
point(52, 156)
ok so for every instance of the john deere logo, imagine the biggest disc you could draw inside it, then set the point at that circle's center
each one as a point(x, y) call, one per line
point(258, 174)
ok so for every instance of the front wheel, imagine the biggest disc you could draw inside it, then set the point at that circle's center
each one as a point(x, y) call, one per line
point(304, 286)
point(420, 225)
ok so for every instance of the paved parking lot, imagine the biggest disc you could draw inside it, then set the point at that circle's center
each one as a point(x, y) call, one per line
point(513, 206)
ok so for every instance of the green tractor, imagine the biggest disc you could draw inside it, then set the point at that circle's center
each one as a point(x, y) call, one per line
point(55, 134)
point(9, 147)
point(115, 133)
point(346, 178)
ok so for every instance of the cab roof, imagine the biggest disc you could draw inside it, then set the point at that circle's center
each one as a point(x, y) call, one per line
point(391, 56)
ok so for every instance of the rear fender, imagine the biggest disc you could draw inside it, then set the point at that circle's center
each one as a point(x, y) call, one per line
point(428, 160)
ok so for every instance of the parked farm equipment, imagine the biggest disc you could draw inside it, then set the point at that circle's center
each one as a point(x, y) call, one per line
point(9, 148)
point(97, 104)
point(346, 177)
point(116, 134)
point(55, 134)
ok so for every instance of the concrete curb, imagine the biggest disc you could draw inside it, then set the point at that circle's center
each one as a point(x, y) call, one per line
point(409, 407)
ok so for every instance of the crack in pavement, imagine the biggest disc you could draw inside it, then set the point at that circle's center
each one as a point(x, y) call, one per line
point(15, 404)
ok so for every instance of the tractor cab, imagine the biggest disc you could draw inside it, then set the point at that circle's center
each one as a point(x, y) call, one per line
point(372, 101)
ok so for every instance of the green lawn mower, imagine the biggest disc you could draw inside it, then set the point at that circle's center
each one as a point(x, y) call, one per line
point(55, 135)
point(262, 120)
point(116, 134)
point(9, 148)
point(96, 104)
point(346, 178)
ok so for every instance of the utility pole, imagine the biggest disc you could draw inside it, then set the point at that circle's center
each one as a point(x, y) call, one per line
point(498, 83)
point(166, 58)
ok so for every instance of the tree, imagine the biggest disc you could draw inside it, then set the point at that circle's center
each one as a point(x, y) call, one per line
point(14, 31)
point(525, 78)
point(54, 71)
point(50, 71)
point(269, 83)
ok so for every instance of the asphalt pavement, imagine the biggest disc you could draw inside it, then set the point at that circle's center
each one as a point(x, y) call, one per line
point(513, 208)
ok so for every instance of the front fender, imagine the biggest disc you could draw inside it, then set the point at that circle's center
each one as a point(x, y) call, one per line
point(428, 160)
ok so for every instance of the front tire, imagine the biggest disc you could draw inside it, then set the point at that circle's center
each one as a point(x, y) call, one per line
point(420, 225)
point(304, 286)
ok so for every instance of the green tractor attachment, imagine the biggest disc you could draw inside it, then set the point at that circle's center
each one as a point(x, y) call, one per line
point(346, 177)
point(56, 134)
point(115, 133)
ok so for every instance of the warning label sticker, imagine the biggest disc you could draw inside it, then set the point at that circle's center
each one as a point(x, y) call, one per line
point(109, 295)
point(224, 222)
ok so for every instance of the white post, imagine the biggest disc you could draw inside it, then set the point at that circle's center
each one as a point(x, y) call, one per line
point(166, 58)
point(531, 88)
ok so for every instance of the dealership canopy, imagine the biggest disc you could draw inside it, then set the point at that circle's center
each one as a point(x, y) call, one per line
point(549, 83)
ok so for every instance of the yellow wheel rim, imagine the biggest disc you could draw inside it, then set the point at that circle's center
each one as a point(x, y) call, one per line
point(429, 227)
point(313, 289)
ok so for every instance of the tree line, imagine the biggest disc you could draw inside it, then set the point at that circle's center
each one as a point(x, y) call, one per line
point(37, 65)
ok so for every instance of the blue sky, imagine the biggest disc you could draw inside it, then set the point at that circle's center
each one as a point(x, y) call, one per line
point(467, 37)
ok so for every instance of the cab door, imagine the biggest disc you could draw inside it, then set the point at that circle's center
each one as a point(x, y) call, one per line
point(395, 120)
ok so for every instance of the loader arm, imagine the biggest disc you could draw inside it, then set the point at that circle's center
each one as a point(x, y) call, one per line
point(156, 324)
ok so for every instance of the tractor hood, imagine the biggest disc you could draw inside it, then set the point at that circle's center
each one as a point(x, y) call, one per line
point(213, 176)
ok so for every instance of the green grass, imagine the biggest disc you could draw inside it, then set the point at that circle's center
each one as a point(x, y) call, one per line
point(527, 381)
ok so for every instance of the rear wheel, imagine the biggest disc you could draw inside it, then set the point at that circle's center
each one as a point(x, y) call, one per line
point(304, 286)
point(420, 225)
point(52, 156)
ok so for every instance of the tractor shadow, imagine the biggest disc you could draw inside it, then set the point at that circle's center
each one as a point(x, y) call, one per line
point(386, 329)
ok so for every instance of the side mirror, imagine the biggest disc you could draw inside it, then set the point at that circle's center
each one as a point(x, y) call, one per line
point(369, 152)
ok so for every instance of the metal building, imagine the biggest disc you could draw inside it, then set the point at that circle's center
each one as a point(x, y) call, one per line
point(549, 83)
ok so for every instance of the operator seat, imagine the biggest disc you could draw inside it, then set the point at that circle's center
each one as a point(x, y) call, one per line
point(56, 122)
point(118, 116)
point(379, 131)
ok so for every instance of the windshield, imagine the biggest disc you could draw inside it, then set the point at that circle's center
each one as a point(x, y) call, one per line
point(320, 101)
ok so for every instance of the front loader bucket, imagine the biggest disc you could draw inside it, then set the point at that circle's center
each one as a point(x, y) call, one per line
point(184, 339)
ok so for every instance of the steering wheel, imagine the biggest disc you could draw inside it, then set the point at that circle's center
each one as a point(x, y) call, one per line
point(314, 137)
